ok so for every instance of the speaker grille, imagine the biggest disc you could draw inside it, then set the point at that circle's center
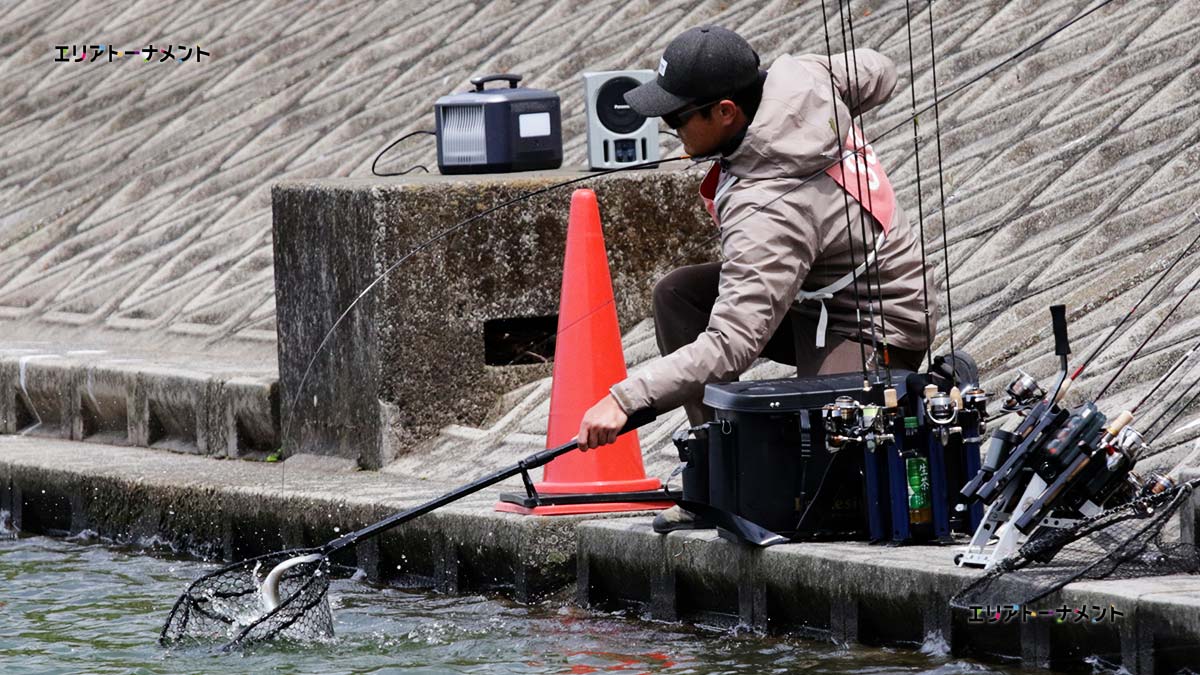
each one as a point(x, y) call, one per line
point(612, 110)
point(464, 140)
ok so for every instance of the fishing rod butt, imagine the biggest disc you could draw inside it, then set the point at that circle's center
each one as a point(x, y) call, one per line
point(1058, 317)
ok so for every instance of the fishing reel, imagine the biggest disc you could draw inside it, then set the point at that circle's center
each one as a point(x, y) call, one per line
point(1023, 393)
point(943, 409)
point(849, 423)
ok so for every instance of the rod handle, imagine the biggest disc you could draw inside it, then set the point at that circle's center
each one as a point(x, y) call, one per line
point(1058, 317)
point(1119, 423)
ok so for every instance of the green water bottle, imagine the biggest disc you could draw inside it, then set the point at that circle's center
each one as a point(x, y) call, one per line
point(919, 510)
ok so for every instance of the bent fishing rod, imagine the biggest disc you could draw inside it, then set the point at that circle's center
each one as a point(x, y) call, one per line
point(801, 181)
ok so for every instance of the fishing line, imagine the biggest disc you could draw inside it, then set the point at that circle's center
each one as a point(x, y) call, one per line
point(912, 81)
point(801, 182)
point(837, 130)
point(866, 166)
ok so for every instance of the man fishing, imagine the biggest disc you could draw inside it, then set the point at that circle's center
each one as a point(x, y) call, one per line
point(795, 225)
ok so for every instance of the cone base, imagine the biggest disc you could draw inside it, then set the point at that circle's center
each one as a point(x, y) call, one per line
point(598, 487)
point(578, 509)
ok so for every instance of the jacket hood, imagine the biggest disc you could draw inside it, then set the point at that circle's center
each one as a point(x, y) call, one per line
point(792, 134)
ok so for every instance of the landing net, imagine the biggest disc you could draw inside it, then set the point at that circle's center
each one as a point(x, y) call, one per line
point(226, 605)
point(1125, 542)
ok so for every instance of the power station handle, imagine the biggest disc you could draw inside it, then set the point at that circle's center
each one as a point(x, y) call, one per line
point(1058, 316)
point(481, 80)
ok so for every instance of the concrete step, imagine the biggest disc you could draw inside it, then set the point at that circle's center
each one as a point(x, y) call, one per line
point(185, 402)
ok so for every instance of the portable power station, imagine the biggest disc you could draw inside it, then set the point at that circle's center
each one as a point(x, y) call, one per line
point(498, 130)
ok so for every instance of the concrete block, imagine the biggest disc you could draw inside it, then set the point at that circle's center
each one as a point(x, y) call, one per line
point(415, 355)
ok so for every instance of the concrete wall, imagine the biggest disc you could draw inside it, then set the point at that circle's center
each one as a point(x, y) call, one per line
point(410, 358)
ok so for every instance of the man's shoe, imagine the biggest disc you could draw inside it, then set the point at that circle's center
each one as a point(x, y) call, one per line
point(676, 518)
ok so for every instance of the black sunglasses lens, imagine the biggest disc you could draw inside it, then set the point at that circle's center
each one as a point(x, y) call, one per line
point(672, 119)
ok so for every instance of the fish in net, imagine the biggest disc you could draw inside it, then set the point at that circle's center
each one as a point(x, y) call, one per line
point(1125, 542)
point(234, 605)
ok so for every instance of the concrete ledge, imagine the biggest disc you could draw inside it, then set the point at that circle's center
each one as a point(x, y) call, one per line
point(85, 396)
point(232, 510)
point(853, 592)
point(845, 592)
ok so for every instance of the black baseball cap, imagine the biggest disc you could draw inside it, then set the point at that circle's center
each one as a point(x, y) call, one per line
point(702, 64)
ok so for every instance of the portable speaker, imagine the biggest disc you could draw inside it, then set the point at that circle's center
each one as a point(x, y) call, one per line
point(616, 135)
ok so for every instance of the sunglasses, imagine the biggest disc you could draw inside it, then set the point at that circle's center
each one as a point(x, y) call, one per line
point(680, 117)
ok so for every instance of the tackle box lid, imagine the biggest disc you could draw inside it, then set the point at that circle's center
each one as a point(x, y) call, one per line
point(791, 393)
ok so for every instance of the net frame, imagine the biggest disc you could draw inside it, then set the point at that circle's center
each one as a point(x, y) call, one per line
point(226, 604)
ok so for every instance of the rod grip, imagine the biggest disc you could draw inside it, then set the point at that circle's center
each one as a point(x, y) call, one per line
point(1058, 317)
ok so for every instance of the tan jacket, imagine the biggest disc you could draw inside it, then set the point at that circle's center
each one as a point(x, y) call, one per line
point(781, 233)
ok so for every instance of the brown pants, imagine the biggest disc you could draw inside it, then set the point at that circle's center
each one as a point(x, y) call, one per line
point(684, 299)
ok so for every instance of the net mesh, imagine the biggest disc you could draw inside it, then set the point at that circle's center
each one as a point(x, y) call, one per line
point(1125, 542)
point(227, 605)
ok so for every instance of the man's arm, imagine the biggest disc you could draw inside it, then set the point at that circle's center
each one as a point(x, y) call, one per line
point(768, 250)
point(864, 77)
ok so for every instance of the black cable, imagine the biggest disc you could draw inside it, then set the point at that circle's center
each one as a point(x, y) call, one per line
point(411, 168)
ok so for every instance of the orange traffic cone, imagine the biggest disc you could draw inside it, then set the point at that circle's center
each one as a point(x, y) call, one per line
point(588, 359)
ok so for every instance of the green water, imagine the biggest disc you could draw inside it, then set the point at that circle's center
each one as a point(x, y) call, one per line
point(71, 606)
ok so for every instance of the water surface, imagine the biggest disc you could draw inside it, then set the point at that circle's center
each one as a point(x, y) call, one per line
point(69, 606)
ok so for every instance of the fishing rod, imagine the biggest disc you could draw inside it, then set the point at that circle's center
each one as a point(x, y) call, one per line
point(937, 121)
point(1190, 387)
point(861, 166)
point(912, 82)
point(1132, 310)
point(1186, 355)
point(1147, 338)
point(1046, 415)
point(837, 130)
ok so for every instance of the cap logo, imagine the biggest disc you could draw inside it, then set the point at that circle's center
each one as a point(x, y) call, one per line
point(662, 67)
